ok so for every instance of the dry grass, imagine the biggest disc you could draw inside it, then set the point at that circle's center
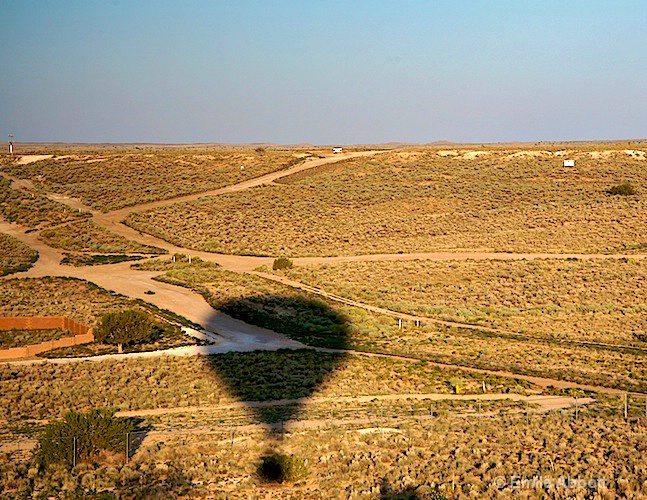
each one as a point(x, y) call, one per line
point(88, 236)
point(15, 255)
point(420, 201)
point(80, 260)
point(86, 303)
point(453, 456)
point(545, 305)
point(109, 180)
point(276, 306)
point(47, 391)
point(33, 210)
point(458, 458)
point(585, 364)
point(591, 300)
point(79, 300)
point(401, 201)
point(20, 338)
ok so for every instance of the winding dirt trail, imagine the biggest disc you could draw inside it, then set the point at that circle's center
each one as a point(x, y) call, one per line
point(112, 220)
point(234, 334)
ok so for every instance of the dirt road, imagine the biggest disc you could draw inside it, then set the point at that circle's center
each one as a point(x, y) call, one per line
point(544, 402)
point(234, 334)
point(447, 256)
point(112, 220)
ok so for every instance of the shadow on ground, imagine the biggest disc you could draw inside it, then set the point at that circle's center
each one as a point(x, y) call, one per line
point(388, 492)
point(267, 377)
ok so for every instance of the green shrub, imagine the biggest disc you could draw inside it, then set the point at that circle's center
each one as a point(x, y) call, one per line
point(87, 434)
point(127, 328)
point(282, 263)
point(94, 260)
point(456, 384)
point(15, 256)
point(624, 189)
point(281, 468)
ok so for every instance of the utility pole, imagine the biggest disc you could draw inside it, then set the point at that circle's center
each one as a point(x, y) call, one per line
point(11, 144)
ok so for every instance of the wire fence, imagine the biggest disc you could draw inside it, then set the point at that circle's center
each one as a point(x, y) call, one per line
point(631, 409)
point(71, 445)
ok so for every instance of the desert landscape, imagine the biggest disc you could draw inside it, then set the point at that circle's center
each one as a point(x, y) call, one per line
point(292, 250)
point(406, 321)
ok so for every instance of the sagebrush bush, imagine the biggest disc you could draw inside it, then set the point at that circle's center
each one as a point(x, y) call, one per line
point(282, 263)
point(15, 256)
point(85, 435)
point(624, 189)
point(88, 236)
point(281, 468)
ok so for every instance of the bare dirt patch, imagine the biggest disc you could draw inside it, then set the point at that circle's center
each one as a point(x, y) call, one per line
point(470, 155)
point(634, 153)
point(25, 160)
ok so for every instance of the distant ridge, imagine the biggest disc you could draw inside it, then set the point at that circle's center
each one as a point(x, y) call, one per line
point(29, 147)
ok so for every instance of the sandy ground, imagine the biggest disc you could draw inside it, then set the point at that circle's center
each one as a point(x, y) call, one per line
point(234, 335)
point(25, 160)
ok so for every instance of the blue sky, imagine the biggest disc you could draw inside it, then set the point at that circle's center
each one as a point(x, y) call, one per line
point(323, 71)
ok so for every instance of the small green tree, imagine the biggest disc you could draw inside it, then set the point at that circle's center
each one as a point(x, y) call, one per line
point(282, 263)
point(126, 328)
point(283, 468)
point(82, 437)
point(456, 384)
